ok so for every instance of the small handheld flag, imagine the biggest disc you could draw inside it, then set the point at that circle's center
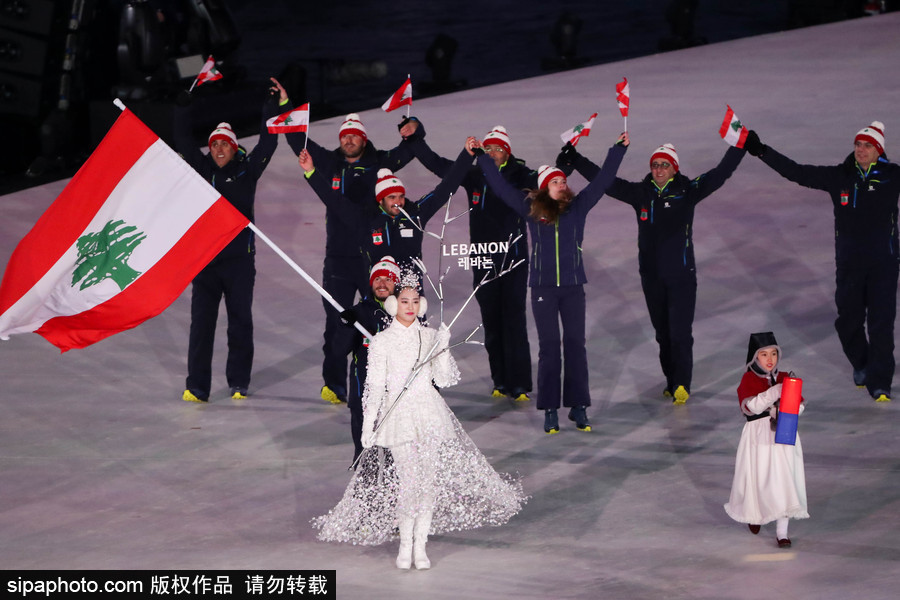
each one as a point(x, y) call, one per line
point(579, 131)
point(401, 97)
point(292, 121)
point(207, 73)
point(623, 97)
point(732, 130)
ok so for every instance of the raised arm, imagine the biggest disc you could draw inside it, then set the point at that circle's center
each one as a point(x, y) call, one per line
point(431, 203)
point(349, 213)
point(430, 159)
point(275, 104)
point(811, 176)
point(607, 175)
point(515, 198)
point(570, 159)
point(706, 184)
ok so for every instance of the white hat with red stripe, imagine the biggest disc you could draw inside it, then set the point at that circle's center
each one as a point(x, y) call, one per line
point(497, 137)
point(387, 184)
point(667, 153)
point(352, 124)
point(874, 134)
point(223, 131)
point(546, 173)
point(386, 267)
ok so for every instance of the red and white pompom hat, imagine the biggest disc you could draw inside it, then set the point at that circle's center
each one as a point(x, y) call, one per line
point(387, 184)
point(874, 134)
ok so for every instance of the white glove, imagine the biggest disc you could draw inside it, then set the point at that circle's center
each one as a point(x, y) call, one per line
point(368, 437)
point(443, 337)
point(368, 432)
point(764, 400)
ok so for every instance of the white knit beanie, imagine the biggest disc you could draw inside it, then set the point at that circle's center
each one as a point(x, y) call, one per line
point(667, 153)
point(223, 131)
point(497, 137)
point(352, 124)
point(387, 184)
point(874, 134)
point(546, 173)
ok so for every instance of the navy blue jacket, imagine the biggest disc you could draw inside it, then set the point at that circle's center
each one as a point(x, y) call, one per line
point(237, 180)
point(490, 219)
point(665, 216)
point(556, 247)
point(355, 181)
point(382, 234)
point(865, 204)
point(369, 313)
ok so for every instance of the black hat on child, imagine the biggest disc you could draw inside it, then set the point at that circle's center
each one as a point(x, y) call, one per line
point(761, 340)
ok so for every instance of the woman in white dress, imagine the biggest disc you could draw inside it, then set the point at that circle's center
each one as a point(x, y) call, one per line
point(420, 472)
point(769, 480)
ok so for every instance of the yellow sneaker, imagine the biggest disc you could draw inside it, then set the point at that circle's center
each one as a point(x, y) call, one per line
point(667, 393)
point(523, 397)
point(498, 393)
point(883, 398)
point(681, 395)
point(238, 393)
point(328, 395)
point(188, 396)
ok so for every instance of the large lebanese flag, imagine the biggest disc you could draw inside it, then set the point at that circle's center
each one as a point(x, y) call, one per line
point(121, 242)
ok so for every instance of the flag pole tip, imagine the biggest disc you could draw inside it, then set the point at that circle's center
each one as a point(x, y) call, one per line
point(119, 103)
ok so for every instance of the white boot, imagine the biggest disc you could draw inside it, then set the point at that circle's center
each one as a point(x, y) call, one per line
point(404, 556)
point(423, 526)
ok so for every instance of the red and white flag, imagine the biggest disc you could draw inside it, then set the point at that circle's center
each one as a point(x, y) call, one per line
point(208, 72)
point(623, 96)
point(579, 131)
point(292, 121)
point(732, 130)
point(401, 97)
point(121, 242)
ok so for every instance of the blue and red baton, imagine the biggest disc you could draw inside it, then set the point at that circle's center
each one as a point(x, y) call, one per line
point(788, 411)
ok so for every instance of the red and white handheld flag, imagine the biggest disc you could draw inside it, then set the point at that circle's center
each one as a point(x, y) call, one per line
point(293, 121)
point(121, 242)
point(579, 131)
point(732, 130)
point(401, 97)
point(207, 73)
point(623, 96)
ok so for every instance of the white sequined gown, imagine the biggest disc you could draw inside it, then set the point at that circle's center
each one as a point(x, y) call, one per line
point(422, 460)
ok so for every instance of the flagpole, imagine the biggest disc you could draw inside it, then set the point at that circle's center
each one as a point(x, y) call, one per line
point(308, 123)
point(410, 95)
point(305, 276)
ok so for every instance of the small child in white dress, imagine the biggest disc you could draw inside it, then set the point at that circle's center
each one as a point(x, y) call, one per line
point(769, 481)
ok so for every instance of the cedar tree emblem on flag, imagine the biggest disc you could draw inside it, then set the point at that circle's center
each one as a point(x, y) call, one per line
point(579, 131)
point(732, 130)
point(121, 242)
point(104, 255)
point(293, 121)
